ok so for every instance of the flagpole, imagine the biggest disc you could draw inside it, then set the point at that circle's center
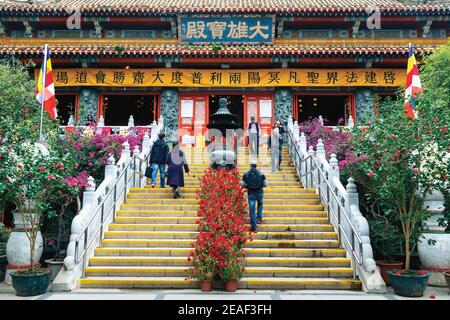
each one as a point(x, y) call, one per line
point(44, 76)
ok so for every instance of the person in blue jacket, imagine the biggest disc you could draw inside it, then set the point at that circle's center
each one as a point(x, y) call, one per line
point(157, 160)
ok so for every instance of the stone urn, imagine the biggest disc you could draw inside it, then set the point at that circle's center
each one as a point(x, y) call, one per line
point(434, 245)
point(222, 158)
point(225, 123)
point(18, 247)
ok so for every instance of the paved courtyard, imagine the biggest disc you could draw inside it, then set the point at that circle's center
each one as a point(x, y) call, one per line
point(7, 293)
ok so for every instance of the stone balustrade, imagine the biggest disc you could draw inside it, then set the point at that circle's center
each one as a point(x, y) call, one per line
point(321, 171)
point(99, 205)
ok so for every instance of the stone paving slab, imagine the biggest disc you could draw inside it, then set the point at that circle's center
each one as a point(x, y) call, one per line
point(7, 293)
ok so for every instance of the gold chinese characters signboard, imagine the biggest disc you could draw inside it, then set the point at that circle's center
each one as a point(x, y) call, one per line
point(229, 78)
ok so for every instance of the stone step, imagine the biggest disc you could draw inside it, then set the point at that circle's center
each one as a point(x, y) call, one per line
point(183, 201)
point(268, 221)
point(249, 261)
point(177, 271)
point(194, 227)
point(187, 243)
point(192, 195)
point(250, 252)
point(286, 189)
point(190, 207)
point(175, 234)
point(271, 183)
point(268, 283)
point(193, 213)
point(270, 179)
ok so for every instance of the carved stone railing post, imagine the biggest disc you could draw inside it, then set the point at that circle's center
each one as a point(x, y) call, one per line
point(334, 169)
point(100, 125)
point(320, 120)
point(333, 174)
point(296, 131)
point(89, 194)
point(71, 121)
point(302, 144)
point(321, 161)
point(125, 150)
point(350, 122)
point(111, 168)
point(320, 151)
point(131, 122)
point(160, 124)
point(154, 131)
point(290, 123)
point(351, 199)
point(310, 179)
point(146, 143)
point(352, 194)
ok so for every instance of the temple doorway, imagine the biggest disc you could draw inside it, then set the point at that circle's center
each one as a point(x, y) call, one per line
point(117, 109)
point(66, 106)
point(235, 105)
point(335, 109)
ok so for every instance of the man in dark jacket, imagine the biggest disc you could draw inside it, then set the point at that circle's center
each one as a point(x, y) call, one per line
point(254, 181)
point(157, 160)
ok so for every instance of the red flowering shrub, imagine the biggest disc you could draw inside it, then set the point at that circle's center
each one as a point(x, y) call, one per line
point(222, 214)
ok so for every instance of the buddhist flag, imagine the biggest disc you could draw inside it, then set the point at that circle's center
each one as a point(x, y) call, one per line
point(45, 92)
point(413, 84)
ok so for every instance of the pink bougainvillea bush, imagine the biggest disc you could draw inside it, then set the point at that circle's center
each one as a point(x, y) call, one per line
point(335, 140)
point(91, 151)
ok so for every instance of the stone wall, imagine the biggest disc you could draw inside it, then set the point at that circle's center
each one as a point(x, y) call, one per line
point(88, 105)
point(365, 99)
point(169, 111)
point(283, 104)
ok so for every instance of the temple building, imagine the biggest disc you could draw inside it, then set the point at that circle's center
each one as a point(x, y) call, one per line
point(269, 58)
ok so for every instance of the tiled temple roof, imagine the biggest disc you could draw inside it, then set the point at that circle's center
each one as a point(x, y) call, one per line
point(163, 7)
point(120, 48)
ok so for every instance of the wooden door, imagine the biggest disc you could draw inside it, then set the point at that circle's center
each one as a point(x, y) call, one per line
point(262, 107)
point(193, 116)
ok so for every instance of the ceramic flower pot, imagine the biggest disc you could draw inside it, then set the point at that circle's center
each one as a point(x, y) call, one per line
point(386, 266)
point(409, 285)
point(206, 285)
point(27, 285)
point(3, 263)
point(447, 279)
point(435, 257)
point(18, 247)
point(231, 285)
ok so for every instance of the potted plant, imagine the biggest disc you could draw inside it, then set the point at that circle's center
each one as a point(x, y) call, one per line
point(222, 215)
point(65, 193)
point(4, 235)
point(231, 268)
point(204, 263)
point(33, 280)
point(399, 160)
point(30, 173)
point(386, 241)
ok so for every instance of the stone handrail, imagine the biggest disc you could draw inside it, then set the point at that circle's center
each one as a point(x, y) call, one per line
point(353, 228)
point(87, 221)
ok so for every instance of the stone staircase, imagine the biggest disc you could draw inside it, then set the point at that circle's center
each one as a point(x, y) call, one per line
point(295, 248)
